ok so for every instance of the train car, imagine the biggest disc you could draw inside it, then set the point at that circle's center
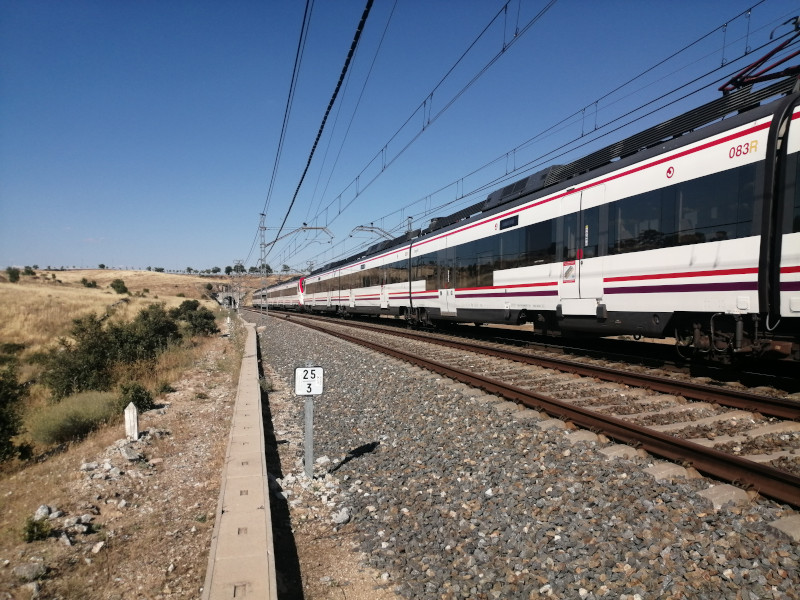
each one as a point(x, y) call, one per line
point(690, 229)
point(287, 295)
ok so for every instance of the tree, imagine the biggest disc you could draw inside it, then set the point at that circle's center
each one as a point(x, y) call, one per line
point(101, 266)
point(267, 269)
point(158, 269)
point(238, 268)
point(13, 274)
point(189, 270)
point(285, 269)
point(254, 269)
point(228, 270)
point(28, 271)
point(215, 270)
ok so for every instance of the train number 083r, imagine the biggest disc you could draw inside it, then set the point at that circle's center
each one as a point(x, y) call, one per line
point(743, 149)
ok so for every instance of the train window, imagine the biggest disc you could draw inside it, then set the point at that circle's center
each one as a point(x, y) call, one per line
point(572, 239)
point(720, 206)
point(539, 243)
point(424, 268)
point(511, 248)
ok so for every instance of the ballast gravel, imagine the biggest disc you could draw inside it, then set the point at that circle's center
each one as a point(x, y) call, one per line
point(453, 494)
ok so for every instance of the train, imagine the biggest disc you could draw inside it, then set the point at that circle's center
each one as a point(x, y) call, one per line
point(688, 230)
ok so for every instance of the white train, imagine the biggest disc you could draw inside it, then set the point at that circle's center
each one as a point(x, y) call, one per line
point(690, 229)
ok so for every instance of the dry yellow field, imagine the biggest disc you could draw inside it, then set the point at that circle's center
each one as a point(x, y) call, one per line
point(37, 310)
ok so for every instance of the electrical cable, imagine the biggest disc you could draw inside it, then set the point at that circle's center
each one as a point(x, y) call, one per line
point(345, 68)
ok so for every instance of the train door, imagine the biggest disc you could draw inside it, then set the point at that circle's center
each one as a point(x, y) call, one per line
point(445, 266)
point(581, 281)
point(384, 296)
point(569, 281)
point(591, 266)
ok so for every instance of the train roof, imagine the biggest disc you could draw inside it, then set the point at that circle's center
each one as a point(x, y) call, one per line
point(654, 140)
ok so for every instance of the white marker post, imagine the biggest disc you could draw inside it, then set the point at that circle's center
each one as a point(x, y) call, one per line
point(308, 383)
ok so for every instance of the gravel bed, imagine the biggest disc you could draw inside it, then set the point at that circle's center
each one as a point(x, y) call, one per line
point(453, 495)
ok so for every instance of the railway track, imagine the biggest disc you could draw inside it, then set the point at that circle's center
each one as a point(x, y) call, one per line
point(642, 409)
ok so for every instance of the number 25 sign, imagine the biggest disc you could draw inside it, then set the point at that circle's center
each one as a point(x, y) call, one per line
point(308, 381)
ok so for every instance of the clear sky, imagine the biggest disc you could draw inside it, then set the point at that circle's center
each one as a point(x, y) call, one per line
point(145, 133)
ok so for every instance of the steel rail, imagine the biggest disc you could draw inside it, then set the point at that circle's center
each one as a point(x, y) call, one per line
point(770, 407)
point(766, 480)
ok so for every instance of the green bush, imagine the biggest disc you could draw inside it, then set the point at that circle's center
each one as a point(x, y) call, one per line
point(36, 530)
point(74, 417)
point(82, 364)
point(165, 388)
point(119, 286)
point(88, 284)
point(11, 392)
point(13, 274)
point(138, 394)
point(198, 319)
point(144, 338)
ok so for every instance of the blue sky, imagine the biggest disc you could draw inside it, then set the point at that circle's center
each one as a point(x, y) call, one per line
point(145, 133)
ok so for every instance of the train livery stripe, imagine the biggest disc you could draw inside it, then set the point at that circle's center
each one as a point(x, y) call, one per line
point(509, 294)
point(728, 286)
point(721, 272)
point(711, 273)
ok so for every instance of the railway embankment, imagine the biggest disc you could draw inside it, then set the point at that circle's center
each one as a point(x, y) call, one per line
point(447, 492)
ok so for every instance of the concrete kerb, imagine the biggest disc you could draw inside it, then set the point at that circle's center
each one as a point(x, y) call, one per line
point(241, 562)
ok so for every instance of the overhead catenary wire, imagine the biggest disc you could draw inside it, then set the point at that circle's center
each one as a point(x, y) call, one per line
point(298, 59)
point(346, 66)
point(425, 108)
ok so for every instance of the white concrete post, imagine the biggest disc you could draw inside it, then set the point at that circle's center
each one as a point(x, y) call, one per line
point(132, 422)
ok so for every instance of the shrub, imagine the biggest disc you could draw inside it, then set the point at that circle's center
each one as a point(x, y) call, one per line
point(199, 320)
point(74, 417)
point(149, 334)
point(82, 364)
point(13, 274)
point(119, 286)
point(11, 392)
point(138, 394)
point(165, 388)
point(35, 530)
point(88, 284)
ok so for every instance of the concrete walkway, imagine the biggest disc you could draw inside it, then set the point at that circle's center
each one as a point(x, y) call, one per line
point(241, 563)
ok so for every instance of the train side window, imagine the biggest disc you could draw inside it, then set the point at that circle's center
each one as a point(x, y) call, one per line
point(511, 245)
point(572, 238)
point(539, 245)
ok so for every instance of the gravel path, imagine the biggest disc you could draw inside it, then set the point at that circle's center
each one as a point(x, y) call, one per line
point(453, 494)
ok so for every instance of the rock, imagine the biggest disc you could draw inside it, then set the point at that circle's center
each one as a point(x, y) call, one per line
point(341, 517)
point(30, 571)
point(97, 547)
point(64, 539)
point(33, 588)
point(42, 513)
point(89, 466)
point(129, 453)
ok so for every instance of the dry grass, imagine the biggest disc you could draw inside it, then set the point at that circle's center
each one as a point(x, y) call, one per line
point(36, 311)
